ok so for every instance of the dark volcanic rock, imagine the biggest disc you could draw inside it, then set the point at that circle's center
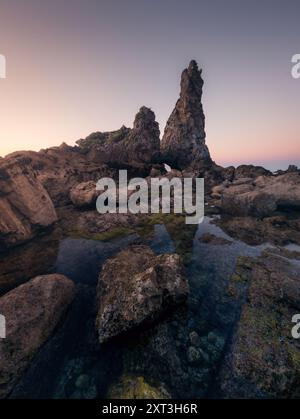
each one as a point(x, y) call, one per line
point(84, 195)
point(263, 360)
point(60, 168)
point(183, 143)
point(135, 287)
point(32, 312)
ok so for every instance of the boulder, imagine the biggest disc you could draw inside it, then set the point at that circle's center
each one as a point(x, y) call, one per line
point(25, 205)
point(135, 287)
point(32, 311)
point(84, 195)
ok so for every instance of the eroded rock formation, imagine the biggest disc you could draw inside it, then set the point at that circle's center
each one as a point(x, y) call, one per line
point(131, 147)
point(146, 286)
point(183, 143)
point(32, 311)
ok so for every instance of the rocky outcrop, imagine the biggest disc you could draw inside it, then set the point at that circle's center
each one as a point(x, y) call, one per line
point(126, 147)
point(263, 360)
point(32, 311)
point(183, 143)
point(262, 196)
point(136, 287)
point(250, 171)
point(25, 206)
point(59, 169)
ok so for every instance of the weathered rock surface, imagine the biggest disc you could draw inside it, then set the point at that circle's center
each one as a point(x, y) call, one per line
point(214, 240)
point(138, 146)
point(135, 287)
point(25, 206)
point(279, 230)
point(84, 195)
point(183, 143)
point(250, 171)
point(32, 312)
point(59, 169)
point(262, 196)
point(21, 263)
point(264, 359)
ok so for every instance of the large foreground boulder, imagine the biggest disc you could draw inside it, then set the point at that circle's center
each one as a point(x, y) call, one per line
point(264, 358)
point(135, 287)
point(25, 206)
point(32, 311)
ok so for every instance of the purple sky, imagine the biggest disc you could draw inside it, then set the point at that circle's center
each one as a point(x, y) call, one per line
point(77, 66)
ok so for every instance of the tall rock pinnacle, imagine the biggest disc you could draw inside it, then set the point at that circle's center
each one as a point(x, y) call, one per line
point(183, 144)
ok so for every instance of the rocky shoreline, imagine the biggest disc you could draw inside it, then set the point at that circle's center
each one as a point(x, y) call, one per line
point(178, 327)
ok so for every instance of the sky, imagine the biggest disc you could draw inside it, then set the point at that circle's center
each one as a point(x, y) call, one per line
point(79, 66)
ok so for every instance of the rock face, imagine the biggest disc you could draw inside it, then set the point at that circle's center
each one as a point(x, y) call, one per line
point(59, 169)
point(25, 205)
point(32, 312)
point(135, 287)
point(262, 196)
point(183, 144)
point(263, 360)
point(126, 146)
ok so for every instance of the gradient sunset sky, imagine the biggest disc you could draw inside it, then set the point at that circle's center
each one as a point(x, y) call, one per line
point(78, 66)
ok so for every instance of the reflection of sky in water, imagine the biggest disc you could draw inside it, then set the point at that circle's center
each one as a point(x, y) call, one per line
point(72, 351)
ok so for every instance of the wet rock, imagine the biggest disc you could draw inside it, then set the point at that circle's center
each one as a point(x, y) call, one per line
point(25, 206)
point(58, 169)
point(263, 360)
point(135, 287)
point(214, 240)
point(27, 261)
point(32, 312)
point(183, 143)
point(279, 230)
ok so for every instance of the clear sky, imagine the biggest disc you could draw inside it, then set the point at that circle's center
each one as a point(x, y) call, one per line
point(78, 66)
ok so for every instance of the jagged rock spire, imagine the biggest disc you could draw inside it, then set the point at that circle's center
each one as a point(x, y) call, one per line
point(183, 144)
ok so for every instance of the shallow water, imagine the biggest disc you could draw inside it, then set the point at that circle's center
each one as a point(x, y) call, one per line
point(72, 365)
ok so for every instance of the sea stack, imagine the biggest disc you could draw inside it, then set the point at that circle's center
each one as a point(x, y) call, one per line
point(183, 144)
